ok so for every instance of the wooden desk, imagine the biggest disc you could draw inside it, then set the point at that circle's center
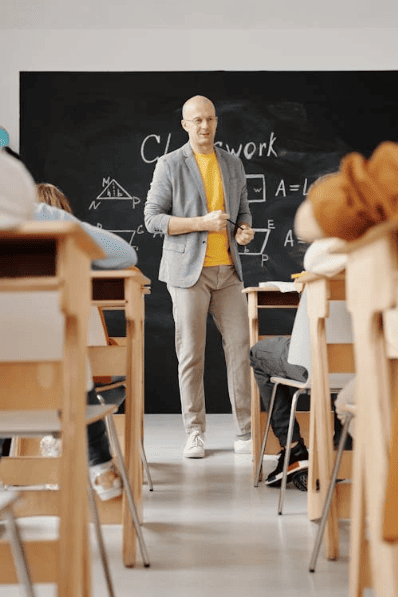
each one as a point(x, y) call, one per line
point(327, 358)
point(372, 288)
point(262, 298)
point(125, 289)
point(43, 257)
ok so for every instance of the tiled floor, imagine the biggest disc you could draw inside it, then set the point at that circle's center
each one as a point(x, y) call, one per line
point(209, 532)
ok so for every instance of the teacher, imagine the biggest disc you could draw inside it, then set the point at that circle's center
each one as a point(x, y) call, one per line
point(198, 200)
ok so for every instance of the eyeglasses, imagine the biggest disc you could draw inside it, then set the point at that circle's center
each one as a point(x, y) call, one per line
point(198, 121)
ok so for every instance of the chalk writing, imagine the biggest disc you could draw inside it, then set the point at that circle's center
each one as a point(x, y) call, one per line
point(290, 239)
point(154, 146)
point(145, 157)
point(128, 235)
point(291, 188)
point(261, 236)
point(256, 188)
point(113, 190)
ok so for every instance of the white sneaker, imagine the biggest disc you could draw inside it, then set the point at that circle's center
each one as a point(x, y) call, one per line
point(106, 480)
point(243, 446)
point(195, 447)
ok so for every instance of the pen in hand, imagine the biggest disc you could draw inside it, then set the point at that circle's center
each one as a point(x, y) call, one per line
point(235, 224)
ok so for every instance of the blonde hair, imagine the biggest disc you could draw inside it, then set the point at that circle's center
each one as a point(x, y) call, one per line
point(50, 194)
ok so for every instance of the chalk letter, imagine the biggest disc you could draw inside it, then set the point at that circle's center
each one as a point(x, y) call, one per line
point(264, 258)
point(142, 149)
point(281, 188)
point(249, 152)
point(233, 151)
point(106, 181)
point(270, 144)
point(289, 239)
point(136, 201)
point(271, 225)
point(260, 149)
point(94, 205)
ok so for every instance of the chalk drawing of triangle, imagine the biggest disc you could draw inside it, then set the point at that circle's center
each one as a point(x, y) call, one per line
point(114, 191)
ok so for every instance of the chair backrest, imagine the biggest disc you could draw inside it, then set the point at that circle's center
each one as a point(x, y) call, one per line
point(31, 350)
point(300, 341)
point(338, 331)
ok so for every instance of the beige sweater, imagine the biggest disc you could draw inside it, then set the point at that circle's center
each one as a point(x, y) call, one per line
point(363, 193)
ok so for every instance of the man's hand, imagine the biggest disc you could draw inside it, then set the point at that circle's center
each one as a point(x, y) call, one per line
point(243, 237)
point(215, 221)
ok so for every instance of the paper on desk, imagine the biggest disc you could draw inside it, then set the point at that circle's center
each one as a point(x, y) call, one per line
point(282, 286)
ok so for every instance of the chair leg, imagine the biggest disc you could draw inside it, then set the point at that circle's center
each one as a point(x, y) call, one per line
point(329, 495)
point(100, 539)
point(265, 438)
point(287, 449)
point(146, 467)
point(18, 551)
point(127, 487)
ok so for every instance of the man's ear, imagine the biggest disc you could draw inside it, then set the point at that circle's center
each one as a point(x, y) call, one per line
point(184, 124)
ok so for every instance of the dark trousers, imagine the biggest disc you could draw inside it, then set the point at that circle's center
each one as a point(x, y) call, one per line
point(268, 358)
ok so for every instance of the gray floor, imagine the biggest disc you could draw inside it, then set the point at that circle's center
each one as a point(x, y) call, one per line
point(209, 532)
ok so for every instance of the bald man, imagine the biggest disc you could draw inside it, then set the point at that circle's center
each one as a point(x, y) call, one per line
point(198, 200)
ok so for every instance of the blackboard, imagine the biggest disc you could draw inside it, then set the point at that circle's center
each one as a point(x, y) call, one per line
point(98, 135)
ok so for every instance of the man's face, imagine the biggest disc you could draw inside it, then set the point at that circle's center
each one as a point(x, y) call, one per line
point(200, 122)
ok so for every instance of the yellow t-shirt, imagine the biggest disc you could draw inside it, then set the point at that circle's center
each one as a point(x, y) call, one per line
point(217, 252)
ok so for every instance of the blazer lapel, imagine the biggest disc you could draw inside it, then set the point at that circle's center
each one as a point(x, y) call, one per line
point(225, 178)
point(195, 173)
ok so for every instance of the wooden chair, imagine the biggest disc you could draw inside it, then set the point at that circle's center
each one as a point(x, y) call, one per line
point(372, 291)
point(300, 353)
point(259, 298)
point(7, 499)
point(109, 358)
point(49, 393)
point(350, 414)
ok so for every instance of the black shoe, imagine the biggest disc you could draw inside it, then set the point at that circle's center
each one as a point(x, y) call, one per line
point(300, 480)
point(298, 461)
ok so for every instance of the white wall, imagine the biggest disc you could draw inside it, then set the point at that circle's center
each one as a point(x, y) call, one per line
point(179, 50)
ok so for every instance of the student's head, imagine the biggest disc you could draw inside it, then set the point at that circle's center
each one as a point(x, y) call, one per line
point(200, 122)
point(50, 194)
point(17, 192)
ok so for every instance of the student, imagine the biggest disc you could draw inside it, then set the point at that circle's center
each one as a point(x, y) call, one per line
point(18, 204)
point(269, 358)
point(347, 203)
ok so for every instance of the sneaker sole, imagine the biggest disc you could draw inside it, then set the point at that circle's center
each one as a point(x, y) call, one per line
point(109, 494)
point(194, 455)
point(291, 471)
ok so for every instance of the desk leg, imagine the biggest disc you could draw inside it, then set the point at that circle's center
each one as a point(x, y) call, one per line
point(74, 547)
point(252, 305)
point(134, 414)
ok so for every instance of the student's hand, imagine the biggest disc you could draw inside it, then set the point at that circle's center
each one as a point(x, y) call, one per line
point(245, 236)
point(215, 221)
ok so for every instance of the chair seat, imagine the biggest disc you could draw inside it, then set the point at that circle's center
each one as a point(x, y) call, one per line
point(32, 423)
point(337, 381)
point(291, 382)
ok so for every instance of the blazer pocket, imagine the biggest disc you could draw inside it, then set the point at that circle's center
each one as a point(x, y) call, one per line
point(175, 243)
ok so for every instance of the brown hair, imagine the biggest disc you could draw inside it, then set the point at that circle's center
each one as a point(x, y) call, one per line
point(50, 194)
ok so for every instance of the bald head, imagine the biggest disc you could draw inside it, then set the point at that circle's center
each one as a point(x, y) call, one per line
point(196, 103)
point(200, 122)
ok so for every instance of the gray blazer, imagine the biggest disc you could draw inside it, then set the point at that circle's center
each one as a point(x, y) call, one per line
point(177, 189)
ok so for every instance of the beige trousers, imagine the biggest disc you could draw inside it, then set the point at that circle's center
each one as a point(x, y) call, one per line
point(218, 292)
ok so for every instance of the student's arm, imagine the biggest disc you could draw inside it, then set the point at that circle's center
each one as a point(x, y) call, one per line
point(120, 254)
